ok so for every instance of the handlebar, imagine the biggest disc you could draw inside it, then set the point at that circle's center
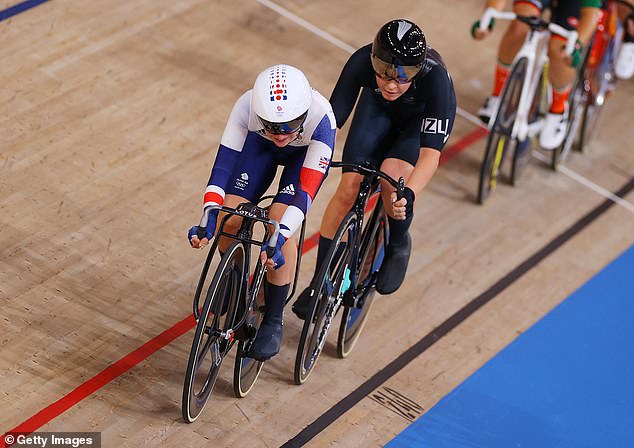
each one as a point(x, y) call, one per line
point(536, 23)
point(368, 169)
point(202, 226)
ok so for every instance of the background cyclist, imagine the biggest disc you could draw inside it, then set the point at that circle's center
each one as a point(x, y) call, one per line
point(402, 121)
point(581, 15)
point(281, 121)
point(624, 67)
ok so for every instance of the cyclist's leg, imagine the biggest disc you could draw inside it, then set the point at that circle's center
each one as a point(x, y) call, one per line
point(399, 162)
point(288, 203)
point(371, 126)
point(510, 44)
point(624, 66)
point(561, 73)
point(269, 337)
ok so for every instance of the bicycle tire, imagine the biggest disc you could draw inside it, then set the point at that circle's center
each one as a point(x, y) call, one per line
point(600, 75)
point(521, 150)
point(353, 318)
point(577, 102)
point(220, 304)
point(500, 134)
point(246, 370)
point(324, 304)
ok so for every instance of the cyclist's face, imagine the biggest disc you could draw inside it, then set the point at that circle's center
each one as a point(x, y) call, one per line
point(390, 89)
point(281, 140)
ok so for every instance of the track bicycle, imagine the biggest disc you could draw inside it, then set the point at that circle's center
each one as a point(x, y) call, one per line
point(347, 277)
point(523, 101)
point(232, 309)
point(599, 78)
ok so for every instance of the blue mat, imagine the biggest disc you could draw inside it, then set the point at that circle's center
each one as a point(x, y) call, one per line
point(566, 382)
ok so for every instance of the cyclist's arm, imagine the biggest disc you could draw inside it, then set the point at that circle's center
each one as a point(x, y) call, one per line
point(440, 112)
point(356, 73)
point(424, 169)
point(231, 144)
point(312, 173)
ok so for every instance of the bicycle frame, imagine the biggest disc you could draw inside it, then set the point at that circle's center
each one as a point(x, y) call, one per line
point(535, 50)
point(367, 187)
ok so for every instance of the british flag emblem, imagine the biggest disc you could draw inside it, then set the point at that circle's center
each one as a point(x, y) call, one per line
point(324, 162)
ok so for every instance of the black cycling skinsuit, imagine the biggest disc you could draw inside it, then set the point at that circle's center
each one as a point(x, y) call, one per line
point(420, 118)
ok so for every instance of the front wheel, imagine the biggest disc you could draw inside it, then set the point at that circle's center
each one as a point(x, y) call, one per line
point(211, 342)
point(577, 107)
point(329, 286)
point(500, 136)
point(370, 257)
point(246, 369)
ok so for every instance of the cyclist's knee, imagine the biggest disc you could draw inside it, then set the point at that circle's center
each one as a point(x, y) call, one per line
point(346, 191)
point(396, 168)
point(555, 50)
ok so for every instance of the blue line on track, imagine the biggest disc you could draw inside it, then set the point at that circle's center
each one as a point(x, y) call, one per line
point(20, 7)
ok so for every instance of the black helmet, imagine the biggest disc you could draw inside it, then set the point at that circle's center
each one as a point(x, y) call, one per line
point(401, 48)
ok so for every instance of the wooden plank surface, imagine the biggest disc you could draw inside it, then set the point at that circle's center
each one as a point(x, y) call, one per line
point(110, 116)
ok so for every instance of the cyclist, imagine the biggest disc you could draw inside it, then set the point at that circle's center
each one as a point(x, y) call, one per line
point(403, 118)
point(624, 67)
point(281, 121)
point(570, 14)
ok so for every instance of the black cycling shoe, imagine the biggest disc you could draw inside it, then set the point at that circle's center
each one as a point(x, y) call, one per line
point(394, 266)
point(267, 342)
point(300, 307)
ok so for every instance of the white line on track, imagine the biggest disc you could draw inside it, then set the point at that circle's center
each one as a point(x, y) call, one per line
point(587, 183)
point(463, 113)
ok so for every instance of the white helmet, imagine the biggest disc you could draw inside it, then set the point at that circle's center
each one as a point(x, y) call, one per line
point(281, 98)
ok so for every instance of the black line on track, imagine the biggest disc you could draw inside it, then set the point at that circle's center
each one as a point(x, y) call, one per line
point(20, 7)
point(336, 411)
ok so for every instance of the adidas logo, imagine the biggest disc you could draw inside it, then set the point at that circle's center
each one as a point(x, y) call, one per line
point(289, 189)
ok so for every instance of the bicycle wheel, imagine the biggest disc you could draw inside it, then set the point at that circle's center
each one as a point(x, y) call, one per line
point(521, 150)
point(370, 258)
point(500, 135)
point(246, 370)
point(577, 107)
point(209, 347)
point(599, 77)
point(329, 285)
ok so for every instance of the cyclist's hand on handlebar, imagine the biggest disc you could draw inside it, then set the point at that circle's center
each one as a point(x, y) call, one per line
point(277, 260)
point(479, 34)
point(404, 207)
point(192, 236)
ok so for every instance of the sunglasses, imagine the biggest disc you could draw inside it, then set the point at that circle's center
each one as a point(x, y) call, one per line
point(402, 74)
point(288, 127)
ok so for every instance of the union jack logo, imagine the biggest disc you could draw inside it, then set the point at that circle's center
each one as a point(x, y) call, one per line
point(324, 162)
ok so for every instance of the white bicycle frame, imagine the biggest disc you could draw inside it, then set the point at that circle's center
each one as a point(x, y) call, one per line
point(535, 50)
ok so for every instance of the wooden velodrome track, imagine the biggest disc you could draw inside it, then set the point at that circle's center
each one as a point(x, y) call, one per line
point(110, 115)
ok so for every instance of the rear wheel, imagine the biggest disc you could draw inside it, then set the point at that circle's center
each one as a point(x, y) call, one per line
point(500, 139)
point(599, 77)
point(577, 107)
point(329, 285)
point(211, 343)
point(371, 255)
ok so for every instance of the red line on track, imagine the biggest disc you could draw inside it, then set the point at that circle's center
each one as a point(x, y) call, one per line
point(153, 345)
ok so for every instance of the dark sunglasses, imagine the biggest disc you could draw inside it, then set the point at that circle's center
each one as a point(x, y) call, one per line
point(402, 74)
point(288, 127)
